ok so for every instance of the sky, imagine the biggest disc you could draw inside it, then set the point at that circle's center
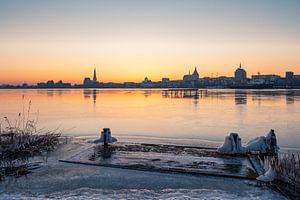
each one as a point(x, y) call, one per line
point(127, 40)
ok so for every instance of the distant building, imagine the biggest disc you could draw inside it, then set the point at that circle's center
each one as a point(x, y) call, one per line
point(165, 80)
point(265, 79)
point(289, 76)
point(41, 85)
point(87, 82)
point(111, 85)
point(146, 80)
point(297, 77)
point(130, 84)
point(225, 81)
point(240, 76)
point(25, 85)
point(61, 84)
point(147, 83)
point(292, 80)
point(195, 75)
point(191, 80)
point(175, 84)
point(191, 77)
point(95, 76)
point(50, 84)
point(187, 77)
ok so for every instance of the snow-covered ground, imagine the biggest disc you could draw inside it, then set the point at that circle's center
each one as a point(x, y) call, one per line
point(56, 180)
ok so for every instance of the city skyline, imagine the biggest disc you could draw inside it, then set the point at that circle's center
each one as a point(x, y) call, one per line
point(96, 76)
point(129, 40)
point(131, 78)
point(240, 80)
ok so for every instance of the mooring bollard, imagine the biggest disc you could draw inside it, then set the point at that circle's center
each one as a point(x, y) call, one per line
point(106, 136)
point(273, 142)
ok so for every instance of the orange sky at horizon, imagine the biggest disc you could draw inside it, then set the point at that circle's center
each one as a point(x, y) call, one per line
point(78, 74)
point(42, 64)
point(36, 61)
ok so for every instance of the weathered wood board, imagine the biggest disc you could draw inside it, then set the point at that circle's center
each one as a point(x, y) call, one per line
point(166, 158)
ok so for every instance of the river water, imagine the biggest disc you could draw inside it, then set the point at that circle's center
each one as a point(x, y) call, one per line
point(148, 114)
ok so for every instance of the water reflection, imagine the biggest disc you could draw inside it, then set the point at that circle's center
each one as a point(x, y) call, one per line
point(147, 93)
point(87, 93)
point(290, 97)
point(257, 98)
point(184, 93)
point(240, 97)
point(52, 92)
point(129, 112)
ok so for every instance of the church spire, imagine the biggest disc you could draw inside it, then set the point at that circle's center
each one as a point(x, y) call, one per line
point(195, 72)
point(240, 65)
point(95, 76)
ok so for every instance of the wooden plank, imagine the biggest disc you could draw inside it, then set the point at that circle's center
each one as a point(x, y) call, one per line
point(167, 158)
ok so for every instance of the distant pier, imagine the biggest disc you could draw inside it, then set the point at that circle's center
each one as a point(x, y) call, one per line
point(184, 92)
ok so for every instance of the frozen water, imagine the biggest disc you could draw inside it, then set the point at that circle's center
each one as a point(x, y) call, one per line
point(56, 180)
point(70, 181)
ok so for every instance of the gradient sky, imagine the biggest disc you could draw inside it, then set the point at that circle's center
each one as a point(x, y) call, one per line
point(127, 40)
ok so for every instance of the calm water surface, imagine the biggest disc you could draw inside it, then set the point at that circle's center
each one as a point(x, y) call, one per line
point(148, 113)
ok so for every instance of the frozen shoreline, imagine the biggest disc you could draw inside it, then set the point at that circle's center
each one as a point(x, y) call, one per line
point(62, 180)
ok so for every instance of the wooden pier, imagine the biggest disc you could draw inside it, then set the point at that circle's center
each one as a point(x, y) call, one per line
point(184, 93)
point(167, 159)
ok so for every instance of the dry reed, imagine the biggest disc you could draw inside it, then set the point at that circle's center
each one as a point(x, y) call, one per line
point(287, 168)
point(21, 140)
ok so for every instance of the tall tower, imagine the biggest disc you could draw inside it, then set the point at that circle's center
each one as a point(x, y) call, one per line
point(240, 75)
point(95, 76)
point(195, 75)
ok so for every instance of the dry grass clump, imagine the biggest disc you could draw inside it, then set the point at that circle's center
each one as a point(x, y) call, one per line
point(21, 140)
point(287, 168)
